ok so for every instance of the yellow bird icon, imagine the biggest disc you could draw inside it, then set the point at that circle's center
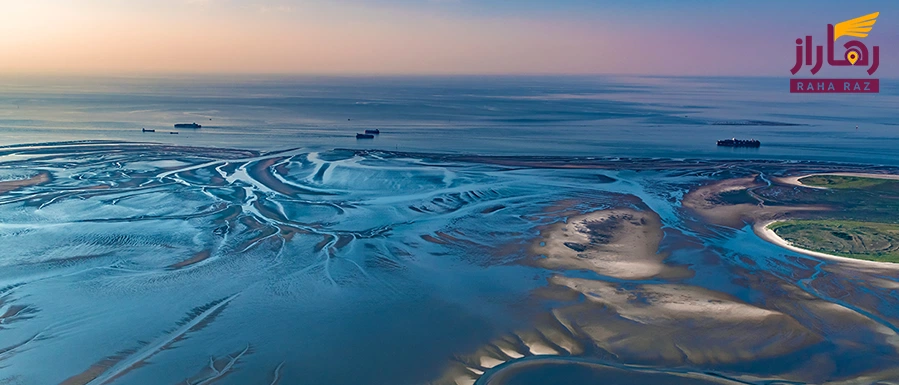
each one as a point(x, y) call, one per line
point(857, 27)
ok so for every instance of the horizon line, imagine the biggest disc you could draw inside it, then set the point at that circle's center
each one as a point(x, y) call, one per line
point(149, 74)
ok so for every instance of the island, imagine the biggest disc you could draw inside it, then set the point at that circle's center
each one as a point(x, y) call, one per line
point(864, 227)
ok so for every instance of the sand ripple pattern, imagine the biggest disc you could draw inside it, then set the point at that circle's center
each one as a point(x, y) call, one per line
point(129, 263)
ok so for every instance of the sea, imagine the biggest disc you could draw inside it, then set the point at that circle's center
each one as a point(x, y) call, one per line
point(585, 116)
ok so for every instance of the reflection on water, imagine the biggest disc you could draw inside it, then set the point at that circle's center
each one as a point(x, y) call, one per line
point(628, 116)
point(147, 264)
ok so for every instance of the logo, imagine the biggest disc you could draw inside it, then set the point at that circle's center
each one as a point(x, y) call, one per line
point(856, 54)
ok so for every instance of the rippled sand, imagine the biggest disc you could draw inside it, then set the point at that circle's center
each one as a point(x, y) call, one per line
point(620, 243)
point(145, 264)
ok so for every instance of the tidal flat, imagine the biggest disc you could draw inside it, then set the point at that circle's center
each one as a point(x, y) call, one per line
point(131, 263)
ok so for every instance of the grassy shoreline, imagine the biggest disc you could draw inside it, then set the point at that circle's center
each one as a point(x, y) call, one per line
point(872, 241)
point(846, 181)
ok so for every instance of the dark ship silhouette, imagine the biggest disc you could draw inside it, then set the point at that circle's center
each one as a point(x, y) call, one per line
point(734, 142)
point(187, 125)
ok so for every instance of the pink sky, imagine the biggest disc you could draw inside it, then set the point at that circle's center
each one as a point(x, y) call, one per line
point(209, 36)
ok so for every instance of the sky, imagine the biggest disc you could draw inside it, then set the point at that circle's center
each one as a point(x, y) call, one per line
point(415, 37)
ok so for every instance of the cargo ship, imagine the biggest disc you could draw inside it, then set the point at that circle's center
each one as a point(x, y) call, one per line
point(365, 136)
point(734, 142)
point(374, 132)
point(187, 125)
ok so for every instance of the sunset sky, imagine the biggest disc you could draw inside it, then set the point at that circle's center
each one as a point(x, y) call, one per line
point(689, 37)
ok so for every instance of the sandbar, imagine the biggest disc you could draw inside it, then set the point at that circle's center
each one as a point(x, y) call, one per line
point(621, 243)
point(10, 185)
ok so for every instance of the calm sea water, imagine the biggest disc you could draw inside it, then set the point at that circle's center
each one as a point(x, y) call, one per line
point(560, 116)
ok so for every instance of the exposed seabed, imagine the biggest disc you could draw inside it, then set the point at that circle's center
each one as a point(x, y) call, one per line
point(147, 264)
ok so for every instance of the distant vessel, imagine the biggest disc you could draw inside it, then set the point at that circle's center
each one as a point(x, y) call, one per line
point(734, 142)
point(187, 125)
point(365, 136)
point(146, 130)
point(375, 131)
point(173, 133)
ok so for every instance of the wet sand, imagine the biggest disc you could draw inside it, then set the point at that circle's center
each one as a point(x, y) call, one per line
point(10, 185)
point(631, 320)
point(197, 258)
point(652, 323)
point(540, 371)
point(705, 201)
point(651, 318)
point(621, 243)
point(625, 276)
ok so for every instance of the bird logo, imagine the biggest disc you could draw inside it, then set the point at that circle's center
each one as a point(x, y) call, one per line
point(857, 27)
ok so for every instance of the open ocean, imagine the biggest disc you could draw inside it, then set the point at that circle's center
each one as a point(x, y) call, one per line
point(670, 117)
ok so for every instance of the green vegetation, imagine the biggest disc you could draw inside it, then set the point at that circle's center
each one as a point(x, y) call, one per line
point(861, 220)
point(856, 199)
point(845, 182)
point(861, 240)
point(855, 217)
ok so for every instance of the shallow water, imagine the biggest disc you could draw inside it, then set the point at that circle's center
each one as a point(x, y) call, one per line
point(156, 263)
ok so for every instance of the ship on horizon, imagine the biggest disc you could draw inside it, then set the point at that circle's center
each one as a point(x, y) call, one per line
point(734, 142)
point(187, 125)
